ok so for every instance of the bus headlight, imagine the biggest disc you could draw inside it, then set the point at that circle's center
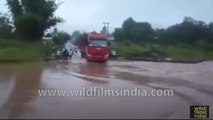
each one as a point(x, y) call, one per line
point(107, 55)
point(88, 55)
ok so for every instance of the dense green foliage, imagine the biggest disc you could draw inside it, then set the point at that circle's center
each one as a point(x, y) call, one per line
point(189, 31)
point(32, 17)
point(61, 38)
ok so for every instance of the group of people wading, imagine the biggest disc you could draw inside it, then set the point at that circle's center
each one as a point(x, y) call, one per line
point(65, 52)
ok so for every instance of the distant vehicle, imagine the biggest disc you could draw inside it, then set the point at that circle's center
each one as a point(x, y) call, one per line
point(94, 47)
point(69, 49)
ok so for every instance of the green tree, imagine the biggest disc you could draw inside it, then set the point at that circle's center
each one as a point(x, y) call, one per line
point(134, 31)
point(5, 26)
point(75, 36)
point(61, 38)
point(210, 33)
point(142, 31)
point(32, 17)
point(118, 34)
point(189, 31)
point(127, 29)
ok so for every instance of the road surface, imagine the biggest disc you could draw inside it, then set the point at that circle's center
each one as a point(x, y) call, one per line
point(19, 85)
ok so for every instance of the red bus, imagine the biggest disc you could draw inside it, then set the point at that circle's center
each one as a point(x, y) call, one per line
point(94, 47)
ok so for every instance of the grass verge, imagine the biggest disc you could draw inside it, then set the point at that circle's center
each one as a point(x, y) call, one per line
point(173, 51)
point(20, 51)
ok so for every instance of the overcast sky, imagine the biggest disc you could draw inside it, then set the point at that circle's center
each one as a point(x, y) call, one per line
point(88, 15)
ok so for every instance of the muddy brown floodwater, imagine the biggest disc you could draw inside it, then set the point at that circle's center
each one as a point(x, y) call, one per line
point(19, 85)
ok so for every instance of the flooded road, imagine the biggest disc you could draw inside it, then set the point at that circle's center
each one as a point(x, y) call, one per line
point(19, 85)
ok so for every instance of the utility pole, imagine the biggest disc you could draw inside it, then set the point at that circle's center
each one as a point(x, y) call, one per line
point(106, 25)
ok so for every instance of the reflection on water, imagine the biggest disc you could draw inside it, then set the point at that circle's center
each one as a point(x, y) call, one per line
point(8, 71)
point(93, 69)
point(27, 81)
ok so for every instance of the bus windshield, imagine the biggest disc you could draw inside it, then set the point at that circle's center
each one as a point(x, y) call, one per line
point(101, 43)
